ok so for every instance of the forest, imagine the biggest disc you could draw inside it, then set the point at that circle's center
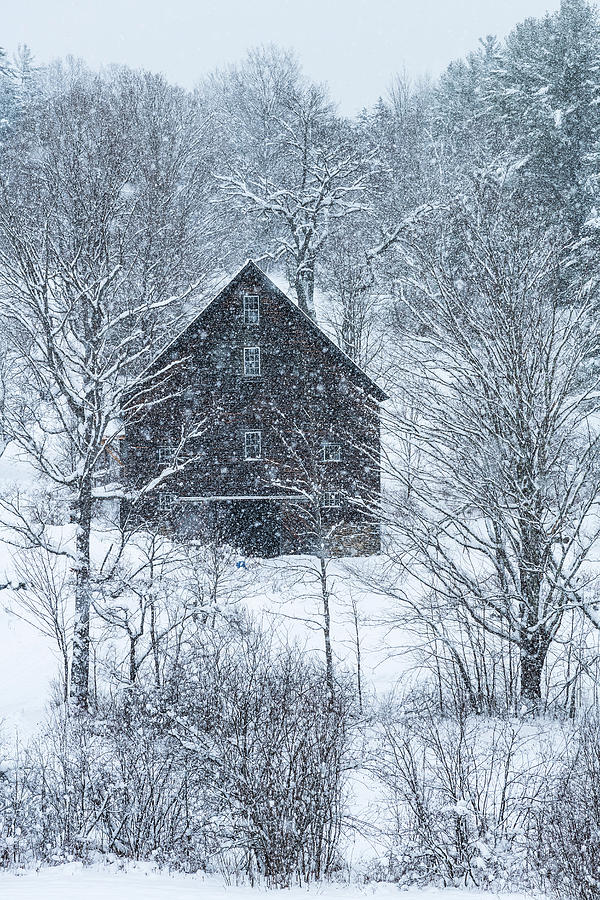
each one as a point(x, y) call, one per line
point(426, 716)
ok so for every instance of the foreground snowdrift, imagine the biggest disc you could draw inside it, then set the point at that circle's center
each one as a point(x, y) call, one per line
point(74, 882)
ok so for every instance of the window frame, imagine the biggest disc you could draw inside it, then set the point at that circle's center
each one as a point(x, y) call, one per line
point(165, 453)
point(167, 500)
point(327, 503)
point(258, 373)
point(325, 447)
point(249, 311)
point(254, 431)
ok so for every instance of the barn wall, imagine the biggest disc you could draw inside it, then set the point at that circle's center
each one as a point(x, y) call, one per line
point(304, 396)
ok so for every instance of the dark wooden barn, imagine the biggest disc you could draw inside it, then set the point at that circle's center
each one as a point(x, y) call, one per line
point(253, 426)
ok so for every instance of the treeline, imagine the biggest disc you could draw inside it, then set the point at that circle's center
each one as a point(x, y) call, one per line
point(256, 159)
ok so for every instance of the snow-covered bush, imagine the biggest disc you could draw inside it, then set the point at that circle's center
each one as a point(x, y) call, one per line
point(114, 783)
point(60, 773)
point(569, 838)
point(463, 795)
point(234, 763)
point(272, 745)
point(19, 825)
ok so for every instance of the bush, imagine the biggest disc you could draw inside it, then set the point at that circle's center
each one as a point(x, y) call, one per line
point(569, 835)
point(235, 763)
point(461, 795)
point(269, 738)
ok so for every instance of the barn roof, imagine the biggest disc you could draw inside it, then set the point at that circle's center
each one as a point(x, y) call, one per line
point(250, 267)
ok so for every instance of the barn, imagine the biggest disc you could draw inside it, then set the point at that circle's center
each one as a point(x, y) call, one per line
point(253, 427)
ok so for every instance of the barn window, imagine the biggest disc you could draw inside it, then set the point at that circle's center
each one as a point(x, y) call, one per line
point(166, 454)
point(251, 361)
point(331, 499)
point(251, 309)
point(332, 452)
point(252, 445)
point(166, 501)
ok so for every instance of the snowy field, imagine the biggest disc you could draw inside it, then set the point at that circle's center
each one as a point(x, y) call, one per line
point(29, 663)
point(281, 594)
point(76, 883)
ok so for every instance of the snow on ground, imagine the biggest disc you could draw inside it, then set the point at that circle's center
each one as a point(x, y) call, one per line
point(28, 663)
point(281, 593)
point(27, 669)
point(286, 594)
point(74, 882)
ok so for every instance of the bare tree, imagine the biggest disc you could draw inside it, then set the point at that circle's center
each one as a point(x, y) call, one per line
point(83, 314)
point(162, 592)
point(322, 520)
point(356, 309)
point(501, 517)
point(289, 161)
point(44, 601)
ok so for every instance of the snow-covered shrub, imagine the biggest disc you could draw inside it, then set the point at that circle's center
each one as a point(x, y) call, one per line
point(151, 796)
point(272, 744)
point(463, 794)
point(114, 783)
point(234, 763)
point(47, 795)
point(569, 837)
point(63, 766)
point(20, 822)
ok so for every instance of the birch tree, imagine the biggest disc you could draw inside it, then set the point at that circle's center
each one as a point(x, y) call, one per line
point(83, 316)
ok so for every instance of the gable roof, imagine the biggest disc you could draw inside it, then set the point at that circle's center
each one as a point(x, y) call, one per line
point(250, 267)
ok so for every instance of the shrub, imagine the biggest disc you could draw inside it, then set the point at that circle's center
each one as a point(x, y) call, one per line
point(461, 795)
point(569, 834)
point(236, 762)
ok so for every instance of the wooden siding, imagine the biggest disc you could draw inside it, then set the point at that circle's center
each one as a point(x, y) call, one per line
point(306, 394)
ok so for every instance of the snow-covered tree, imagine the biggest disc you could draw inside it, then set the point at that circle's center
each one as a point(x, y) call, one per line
point(547, 91)
point(287, 160)
point(85, 300)
point(501, 517)
point(530, 105)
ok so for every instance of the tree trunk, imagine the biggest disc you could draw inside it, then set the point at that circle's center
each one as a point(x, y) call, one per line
point(154, 643)
point(533, 657)
point(358, 654)
point(66, 677)
point(534, 641)
point(349, 331)
point(133, 639)
point(80, 668)
point(327, 631)
point(305, 287)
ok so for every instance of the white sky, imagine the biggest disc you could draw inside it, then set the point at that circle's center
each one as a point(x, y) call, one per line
point(356, 46)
